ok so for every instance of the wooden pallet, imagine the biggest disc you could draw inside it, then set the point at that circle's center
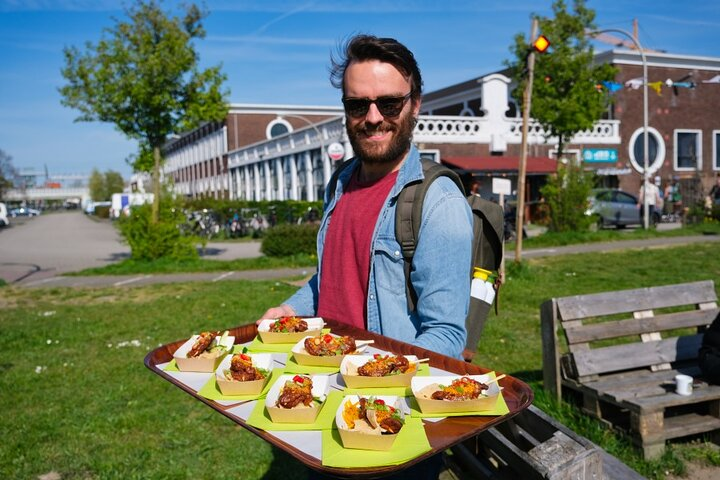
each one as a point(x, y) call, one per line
point(532, 445)
point(624, 349)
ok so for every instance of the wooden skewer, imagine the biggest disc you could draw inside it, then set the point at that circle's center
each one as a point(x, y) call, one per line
point(423, 360)
point(495, 379)
point(360, 343)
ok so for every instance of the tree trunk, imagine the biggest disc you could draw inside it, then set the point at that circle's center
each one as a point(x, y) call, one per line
point(156, 186)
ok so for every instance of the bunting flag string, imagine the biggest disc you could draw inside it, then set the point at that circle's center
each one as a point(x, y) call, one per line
point(636, 83)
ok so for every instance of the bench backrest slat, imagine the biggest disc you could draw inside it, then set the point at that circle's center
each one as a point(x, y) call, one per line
point(636, 326)
point(625, 301)
point(636, 355)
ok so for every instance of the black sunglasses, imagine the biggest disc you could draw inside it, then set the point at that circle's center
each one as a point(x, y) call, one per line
point(387, 106)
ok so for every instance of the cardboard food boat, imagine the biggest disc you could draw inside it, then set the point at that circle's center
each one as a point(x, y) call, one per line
point(202, 363)
point(349, 368)
point(423, 387)
point(315, 326)
point(300, 414)
point(263, 361)
point(304, 358)
point(364, 437)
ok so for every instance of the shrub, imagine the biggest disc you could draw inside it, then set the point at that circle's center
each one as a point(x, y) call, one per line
point(566, 195)
point(102, 211)
point(286, 240)
point(163, 239)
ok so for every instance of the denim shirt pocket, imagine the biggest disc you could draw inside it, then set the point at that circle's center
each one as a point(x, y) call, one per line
point(389, 265)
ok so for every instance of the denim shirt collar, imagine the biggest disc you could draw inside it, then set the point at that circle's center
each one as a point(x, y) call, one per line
point(410, 171)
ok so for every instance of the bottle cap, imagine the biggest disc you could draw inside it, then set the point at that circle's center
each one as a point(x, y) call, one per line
point(481, 273)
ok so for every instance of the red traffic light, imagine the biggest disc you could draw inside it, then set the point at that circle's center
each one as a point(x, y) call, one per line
point(541, 44)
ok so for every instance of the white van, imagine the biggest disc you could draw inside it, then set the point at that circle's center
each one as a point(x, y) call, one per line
point(4, 222)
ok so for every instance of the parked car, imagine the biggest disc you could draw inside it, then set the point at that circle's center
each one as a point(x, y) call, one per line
point(24, 212)
point(616, 207)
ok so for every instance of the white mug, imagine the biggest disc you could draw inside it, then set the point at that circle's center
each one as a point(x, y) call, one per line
point(683, 384)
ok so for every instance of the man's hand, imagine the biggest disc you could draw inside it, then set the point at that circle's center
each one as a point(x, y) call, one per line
point(277, 312)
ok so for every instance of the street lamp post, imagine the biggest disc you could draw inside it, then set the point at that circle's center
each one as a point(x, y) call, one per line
point(317, 130)
point(646, 138)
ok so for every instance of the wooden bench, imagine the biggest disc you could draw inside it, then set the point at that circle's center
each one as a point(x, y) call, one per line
point(623, 350)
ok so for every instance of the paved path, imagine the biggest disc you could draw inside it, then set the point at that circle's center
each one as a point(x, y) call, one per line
point(36, 252)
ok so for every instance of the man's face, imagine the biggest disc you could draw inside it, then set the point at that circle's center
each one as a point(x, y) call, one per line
point(377, 138)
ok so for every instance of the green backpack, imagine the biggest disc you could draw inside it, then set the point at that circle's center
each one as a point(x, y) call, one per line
point(487, 248)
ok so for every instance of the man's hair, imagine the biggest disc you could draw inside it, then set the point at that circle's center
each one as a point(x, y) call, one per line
point(362, 48)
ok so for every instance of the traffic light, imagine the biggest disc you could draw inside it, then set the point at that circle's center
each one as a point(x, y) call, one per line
point(541, 44)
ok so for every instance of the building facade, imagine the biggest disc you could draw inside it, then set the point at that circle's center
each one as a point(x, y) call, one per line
point(279, 152)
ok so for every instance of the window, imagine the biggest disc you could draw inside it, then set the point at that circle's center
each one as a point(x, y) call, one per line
point(277, 127)
point(716, 149)
point(688, 150)
point(656, 150)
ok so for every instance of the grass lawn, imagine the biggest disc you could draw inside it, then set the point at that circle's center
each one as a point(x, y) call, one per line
point(77, 399)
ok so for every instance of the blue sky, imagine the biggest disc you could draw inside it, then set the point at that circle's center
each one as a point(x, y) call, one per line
point(277, 52)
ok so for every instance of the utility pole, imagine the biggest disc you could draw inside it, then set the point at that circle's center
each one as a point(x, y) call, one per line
point(538, 44)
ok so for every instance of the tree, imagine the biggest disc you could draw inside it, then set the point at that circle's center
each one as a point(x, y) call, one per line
point(566, 194)
point(143, 76)
point(96, 186)
point(102, 186)
point(7, 173)
point(114, 183)
point(565, 98)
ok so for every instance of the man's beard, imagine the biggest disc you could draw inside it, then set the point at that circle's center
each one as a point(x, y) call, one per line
point(370, 152)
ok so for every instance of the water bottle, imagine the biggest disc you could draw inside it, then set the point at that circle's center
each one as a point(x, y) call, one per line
point(481, 287)
point(482, 295)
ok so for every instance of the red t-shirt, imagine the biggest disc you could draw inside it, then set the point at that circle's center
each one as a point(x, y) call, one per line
point(346, 253)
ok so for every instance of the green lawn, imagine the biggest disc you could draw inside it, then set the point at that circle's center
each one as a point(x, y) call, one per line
point(77, 399)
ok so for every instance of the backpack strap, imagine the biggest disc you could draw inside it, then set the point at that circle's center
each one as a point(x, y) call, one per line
point(408, 217)
point(332, 184)
point(488, 221)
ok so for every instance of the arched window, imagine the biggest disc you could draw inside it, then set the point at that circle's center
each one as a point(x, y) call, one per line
point(277, 127)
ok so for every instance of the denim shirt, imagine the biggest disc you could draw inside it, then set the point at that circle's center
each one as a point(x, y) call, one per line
point(440, 272)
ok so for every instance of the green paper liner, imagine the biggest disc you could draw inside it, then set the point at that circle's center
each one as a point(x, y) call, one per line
point(412, 442)
point(258, 345)
point(211, 390)
point(423, 371)
point(291, 366)
point(171, 366)
point(260, 418)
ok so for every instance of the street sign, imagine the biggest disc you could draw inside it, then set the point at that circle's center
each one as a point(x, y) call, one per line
point(501, 186)
point(596, 155)
point(336, 151)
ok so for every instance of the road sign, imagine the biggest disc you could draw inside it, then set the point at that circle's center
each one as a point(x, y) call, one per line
point(336, 151)
point(501, 186)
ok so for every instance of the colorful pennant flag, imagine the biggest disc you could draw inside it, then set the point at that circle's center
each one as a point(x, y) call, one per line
point(657, 86)
point(612, 86)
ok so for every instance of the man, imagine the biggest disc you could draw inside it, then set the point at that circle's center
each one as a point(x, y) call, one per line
point(360, 279)
point(653, 197)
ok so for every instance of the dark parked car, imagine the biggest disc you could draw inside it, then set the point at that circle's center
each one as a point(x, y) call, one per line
point(616, 207)
point(24, 212)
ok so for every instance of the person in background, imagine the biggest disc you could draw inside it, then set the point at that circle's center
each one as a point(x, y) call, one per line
point(715, 192)
point(475, 186)
point(360, 279)
point(709, 353)
point(653, 196)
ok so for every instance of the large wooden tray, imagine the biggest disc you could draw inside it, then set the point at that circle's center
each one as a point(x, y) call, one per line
point(441, 435)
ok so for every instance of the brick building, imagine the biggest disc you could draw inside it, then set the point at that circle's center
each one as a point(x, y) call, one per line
point(280, 152)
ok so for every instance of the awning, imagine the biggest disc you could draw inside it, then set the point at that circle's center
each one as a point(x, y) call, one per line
point(492, 164)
